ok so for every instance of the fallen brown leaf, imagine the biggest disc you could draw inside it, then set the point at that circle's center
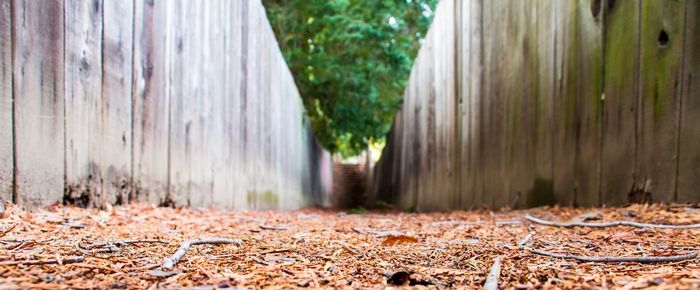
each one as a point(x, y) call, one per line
point(392, 240)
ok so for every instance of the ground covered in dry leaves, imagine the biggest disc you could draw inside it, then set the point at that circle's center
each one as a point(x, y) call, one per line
point(123, 247)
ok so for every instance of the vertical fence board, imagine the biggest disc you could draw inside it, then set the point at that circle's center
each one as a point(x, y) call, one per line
point(689, 154)
point(564, 106)
point(442, 120)
point(215, 59)
point(150, 119)
point(541, 70)
point(517, 61)
point(662, 30)
point(83, 91)
point(474, 106)
point(180, 150)
point(234, 82)
point(240, 137)
point(621, 80)
point(588, 66)
point(496, 183)
point(410, 146)
point(462, 123)
point(39, 104)
point(117, 57)
point(6, 126)
point(425, 90)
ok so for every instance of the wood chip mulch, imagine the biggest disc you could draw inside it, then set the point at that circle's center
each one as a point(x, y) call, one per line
point(124, 247)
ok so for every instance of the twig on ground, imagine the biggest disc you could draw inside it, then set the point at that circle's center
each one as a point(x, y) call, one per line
point(274, 228)
point(76, 259)
point(508, 223)
point(494, 274)
point(348, 248)
point(123, 243)
point(645, 259)
point(609, 224)
point(524, 241)
point(169, 262)
point(466, 223)
point(274, 251)
point(8, 229)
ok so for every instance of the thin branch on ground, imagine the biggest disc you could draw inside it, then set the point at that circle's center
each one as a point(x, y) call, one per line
point(464, 223)
point(508, 223)
point(615, 259)
point(274, 228)
point(169, 262)
point(609, 224)
point(8, 229)
point(494, 274)
point(122, 243)
point(76, 259)
point(524, 241)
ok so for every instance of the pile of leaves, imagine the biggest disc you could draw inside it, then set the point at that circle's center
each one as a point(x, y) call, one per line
point(124, 247)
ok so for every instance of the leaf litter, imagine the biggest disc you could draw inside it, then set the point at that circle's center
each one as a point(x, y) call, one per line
point(144, 247)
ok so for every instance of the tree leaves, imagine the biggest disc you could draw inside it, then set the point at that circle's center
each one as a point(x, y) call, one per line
point(351, 60)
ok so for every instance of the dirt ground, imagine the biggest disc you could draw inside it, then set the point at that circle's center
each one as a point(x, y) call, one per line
point(123, 247)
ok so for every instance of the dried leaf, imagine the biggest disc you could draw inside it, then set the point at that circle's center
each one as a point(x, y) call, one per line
point(392, 240)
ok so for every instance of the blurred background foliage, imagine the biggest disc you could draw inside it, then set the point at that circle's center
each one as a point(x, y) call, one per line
point(351, 60)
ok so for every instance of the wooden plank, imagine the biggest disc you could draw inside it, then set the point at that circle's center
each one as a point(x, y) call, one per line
point(589, 88)
point(240, 137)
point(214, 69)
point(406, 149)
point(578, 107)
point(493, 150)
point(442, 109)
point(83, 103)
point(541, 38)
point(661, 48)
point(411, 147)
point(226, 179)
point(182, 71)
point(39, 103)
point(564, 107)
point(251, 148)
point(689, 154)
point(426, 96)
point(475, 105)
point(518, 61)
point(6, 126)
point(150, 119)
point(235, 67)
point(462, 48)
point(621, 48)
point(117, 57)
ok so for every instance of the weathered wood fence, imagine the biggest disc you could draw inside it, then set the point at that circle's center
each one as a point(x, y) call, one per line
point(524, 103)
point(174, 102)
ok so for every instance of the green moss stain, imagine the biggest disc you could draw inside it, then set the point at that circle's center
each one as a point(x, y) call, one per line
point(660, 56)
point(621, 51)
point(541, 193)
point(267, 199)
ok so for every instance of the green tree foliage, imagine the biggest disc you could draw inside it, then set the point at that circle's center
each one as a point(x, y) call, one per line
point(351, 60)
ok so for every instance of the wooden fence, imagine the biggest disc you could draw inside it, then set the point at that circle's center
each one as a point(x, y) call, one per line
point(525, 103)
point(171, 102)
